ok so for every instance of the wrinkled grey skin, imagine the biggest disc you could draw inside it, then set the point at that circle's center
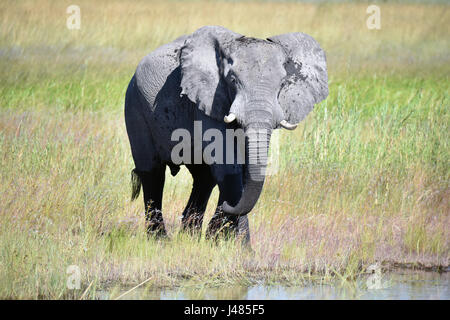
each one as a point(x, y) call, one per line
point(205, 76)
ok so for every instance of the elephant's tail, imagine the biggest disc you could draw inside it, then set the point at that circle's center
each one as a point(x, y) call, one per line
point(135, 184)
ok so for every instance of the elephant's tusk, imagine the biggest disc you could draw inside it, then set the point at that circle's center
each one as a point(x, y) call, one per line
point(288, 125)
point(229, 118)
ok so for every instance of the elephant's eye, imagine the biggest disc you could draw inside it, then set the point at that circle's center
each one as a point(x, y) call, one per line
point(231, 77)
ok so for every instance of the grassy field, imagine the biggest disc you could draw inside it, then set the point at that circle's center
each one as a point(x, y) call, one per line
point(364, 178)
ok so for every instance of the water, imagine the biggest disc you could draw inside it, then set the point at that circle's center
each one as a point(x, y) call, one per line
point(406, 286)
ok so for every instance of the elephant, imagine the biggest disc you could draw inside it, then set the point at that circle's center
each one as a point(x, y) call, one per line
point(219, 80)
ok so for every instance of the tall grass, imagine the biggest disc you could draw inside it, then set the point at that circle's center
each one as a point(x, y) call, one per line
point(364, 178)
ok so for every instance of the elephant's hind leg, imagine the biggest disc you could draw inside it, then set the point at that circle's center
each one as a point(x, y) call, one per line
point(150, 170)
point(153, 185)
point(192, 218)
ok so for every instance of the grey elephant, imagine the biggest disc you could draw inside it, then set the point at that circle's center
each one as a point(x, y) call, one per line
point(219, 80)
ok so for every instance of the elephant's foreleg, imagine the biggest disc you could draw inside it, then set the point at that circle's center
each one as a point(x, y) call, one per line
point(153, 185)
point(229, 226)
point(192, 218)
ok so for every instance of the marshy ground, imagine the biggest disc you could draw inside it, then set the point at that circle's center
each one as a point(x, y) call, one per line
point(364, 179)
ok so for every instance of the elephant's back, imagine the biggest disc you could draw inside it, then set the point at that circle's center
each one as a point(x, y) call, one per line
point(154, 70)
point(158, 82)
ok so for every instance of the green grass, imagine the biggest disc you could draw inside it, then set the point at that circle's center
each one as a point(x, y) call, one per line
point(364, 178)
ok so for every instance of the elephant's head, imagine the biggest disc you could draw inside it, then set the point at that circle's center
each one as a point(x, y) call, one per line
point(259, 85)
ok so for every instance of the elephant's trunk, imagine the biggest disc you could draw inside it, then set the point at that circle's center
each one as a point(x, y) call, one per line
point(257, 145)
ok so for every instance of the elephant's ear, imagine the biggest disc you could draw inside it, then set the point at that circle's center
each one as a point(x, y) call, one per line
point(306, 81)
point(201, 78)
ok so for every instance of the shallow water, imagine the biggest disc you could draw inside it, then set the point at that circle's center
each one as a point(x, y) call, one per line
point(420, 285)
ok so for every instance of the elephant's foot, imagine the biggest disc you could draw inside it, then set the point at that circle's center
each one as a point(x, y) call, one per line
point(191, 223)
point(155, 225)
point(229, 227)
point(220, 226)
point(243, 231)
